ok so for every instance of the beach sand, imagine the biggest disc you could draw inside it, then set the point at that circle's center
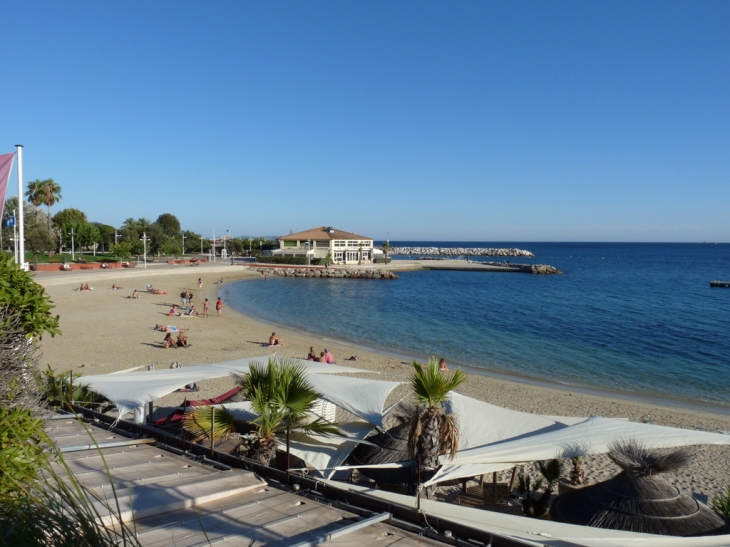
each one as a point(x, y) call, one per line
point(103, 331)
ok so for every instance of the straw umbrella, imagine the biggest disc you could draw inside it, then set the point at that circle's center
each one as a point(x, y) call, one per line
point(637, 500)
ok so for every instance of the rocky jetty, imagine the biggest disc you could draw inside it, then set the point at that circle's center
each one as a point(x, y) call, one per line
point(330, 273)
point(540, 269)
point(457, 251)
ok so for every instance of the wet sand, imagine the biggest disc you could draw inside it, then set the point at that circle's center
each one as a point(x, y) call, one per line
point(103, 331)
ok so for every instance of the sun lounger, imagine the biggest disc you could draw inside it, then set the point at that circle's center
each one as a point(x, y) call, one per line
point(177, 414)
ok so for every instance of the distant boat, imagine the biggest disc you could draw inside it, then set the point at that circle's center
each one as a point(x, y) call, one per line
point(723, 284)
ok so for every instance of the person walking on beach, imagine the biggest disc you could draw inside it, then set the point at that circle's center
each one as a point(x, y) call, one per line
point(219, 306)
point(206, 306)
point(184, 297)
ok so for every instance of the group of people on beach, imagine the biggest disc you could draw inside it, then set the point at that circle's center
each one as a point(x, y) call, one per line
point(324, 356)
point(169, 342)
point(84, 287)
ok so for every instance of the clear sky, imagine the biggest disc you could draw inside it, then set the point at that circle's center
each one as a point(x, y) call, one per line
point(474, 120)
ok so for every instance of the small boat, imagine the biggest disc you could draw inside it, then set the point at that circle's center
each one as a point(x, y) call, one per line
point(723, 284)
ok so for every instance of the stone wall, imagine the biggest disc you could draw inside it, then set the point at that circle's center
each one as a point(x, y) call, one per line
point(457, 251)
point(330, 273)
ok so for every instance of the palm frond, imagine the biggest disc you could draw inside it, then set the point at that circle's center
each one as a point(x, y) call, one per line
point(320, 426)
point(198, 421)
point(430, 385)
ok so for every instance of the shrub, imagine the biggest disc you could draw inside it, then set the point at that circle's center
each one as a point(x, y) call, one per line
point(296, 260)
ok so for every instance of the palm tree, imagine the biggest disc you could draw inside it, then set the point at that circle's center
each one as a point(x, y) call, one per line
point(51, 196)
point(282, 397)
point(130, 223)
point(433, 433)
point(386, 247)
point(35, 195)
point(144, 223)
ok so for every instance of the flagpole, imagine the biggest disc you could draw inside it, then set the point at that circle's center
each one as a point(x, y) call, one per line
point(15, 235)
point(21, 225)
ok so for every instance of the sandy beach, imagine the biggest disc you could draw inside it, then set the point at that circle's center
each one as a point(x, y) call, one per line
point(104, 331)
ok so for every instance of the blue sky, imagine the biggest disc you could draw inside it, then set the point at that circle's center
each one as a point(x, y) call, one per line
point(478, 121)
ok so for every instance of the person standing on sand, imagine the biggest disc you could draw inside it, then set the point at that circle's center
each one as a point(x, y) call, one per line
point(206, 306)
point(184, 297)
point(200, 282)
point(219, 306)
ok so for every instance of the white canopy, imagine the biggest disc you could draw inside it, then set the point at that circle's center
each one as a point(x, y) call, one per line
point(592, 436)
point(134, 389)
point(322, 453)
point(364, 398)
point(537, 531)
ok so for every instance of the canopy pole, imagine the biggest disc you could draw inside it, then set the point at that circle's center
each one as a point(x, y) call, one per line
point(21, 222)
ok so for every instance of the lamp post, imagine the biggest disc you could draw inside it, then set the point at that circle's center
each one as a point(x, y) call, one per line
point(228, 235)
point(213, 245)
point(201, 245)
point(144, 242)
point(183, 244)
point(116, 236)
point(73, 248)
point(21, 207)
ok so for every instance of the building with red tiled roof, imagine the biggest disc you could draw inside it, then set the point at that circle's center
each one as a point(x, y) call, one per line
point(325, 241)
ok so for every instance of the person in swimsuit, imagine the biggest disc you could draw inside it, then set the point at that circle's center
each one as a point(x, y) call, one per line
point(312, 356)
point(182, 340)
point(443, 367)
point(206, 307)
point(275, 340)
point(168, 342)
point(200, 282)
point(219, 306)
point(321, 358)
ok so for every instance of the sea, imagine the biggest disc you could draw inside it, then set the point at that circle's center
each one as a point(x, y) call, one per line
point(636, 320)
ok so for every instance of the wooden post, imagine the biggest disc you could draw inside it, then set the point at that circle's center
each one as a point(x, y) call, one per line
point(494, 486)
point(512, 481)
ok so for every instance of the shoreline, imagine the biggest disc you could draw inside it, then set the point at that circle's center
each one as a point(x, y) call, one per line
point(103, 332)
point(647, 398)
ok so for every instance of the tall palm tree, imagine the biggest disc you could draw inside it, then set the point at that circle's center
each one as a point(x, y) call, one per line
point(35, 195)
point(386, 247)
point(130, 223)
point(144, 223)
point(282, 397)
point(51, 196)
point(433, 433)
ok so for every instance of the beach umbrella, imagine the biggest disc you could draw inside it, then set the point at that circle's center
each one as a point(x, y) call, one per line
point(637, 500)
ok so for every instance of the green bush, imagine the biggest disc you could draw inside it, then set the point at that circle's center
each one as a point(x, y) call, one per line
point(21, 451)
point(297, 260)
point(26, 299)
point(382, 260)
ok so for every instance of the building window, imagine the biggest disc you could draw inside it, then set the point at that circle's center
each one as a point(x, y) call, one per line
point(290, 243)
point(351, 256)
point(339, 244)
point(338, 256)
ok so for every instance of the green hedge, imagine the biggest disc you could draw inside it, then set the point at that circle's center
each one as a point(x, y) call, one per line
point(382, 261)
point(297, 260)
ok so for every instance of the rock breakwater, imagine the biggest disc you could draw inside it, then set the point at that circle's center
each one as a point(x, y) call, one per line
point(330, 273)
point(458, 251)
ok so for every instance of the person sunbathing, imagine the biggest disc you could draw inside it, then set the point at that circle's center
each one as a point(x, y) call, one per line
point(169, 328)
point(173, 311)
point(168, 342)
point(193, 311)
point(182, 340)
point(116, 287)
point(275, 340)
point(312, 355)
point(134, 294)
point(321, 358)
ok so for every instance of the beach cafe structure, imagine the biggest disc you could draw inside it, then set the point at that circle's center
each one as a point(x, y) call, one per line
point(491, 439)
point(341, 247)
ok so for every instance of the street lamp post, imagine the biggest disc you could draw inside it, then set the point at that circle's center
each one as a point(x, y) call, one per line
point(201, 245)
point(183, 245)
point(73, 248)
point(144, 242)
point(116, 236)
point(249, 246)
point(213, 245)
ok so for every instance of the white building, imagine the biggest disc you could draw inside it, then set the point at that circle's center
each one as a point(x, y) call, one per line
point(341, 247)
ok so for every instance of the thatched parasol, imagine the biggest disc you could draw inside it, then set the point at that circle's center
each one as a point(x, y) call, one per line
point(391, 446)
point(636, 500)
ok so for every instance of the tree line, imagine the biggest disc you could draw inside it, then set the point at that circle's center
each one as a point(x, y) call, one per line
point(45, 233)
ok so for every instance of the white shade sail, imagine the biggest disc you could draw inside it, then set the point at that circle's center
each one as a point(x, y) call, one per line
point(134, 389)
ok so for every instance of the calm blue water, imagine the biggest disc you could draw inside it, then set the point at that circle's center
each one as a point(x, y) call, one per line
point(637, 318)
